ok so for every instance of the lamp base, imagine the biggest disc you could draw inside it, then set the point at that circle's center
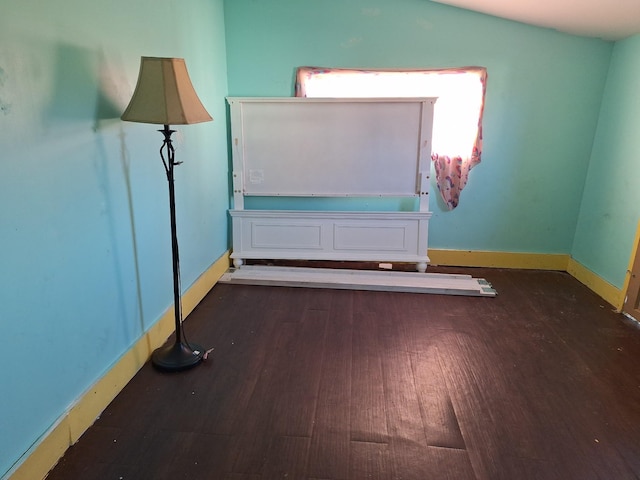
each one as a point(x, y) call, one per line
point(176, 357)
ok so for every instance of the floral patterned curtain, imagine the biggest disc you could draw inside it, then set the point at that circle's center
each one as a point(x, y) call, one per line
point(457, 130)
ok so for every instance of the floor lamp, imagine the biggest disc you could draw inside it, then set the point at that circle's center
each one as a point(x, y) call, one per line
point(165, 96)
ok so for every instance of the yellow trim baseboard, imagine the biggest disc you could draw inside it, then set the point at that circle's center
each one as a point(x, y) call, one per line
point(43, 456)
point(477, 258)
point(537, 261)
point(604, 289)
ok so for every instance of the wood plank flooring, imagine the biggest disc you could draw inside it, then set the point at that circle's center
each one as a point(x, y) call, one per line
point(541, 382)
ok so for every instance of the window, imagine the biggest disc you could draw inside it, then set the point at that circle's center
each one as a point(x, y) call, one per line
point(457, 129)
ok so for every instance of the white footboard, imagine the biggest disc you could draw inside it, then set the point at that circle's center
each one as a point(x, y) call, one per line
point(328, 235)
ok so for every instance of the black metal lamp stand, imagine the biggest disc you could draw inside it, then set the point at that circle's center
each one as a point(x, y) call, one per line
point(182, 354)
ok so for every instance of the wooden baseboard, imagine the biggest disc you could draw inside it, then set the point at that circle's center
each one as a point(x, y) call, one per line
point(604, 289)
point(476, 258)
point(39, 460)
point(537, 261)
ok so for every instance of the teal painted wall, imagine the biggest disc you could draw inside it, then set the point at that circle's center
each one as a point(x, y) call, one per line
point(542, 106)
point(84, 221)
point(84, 216)
point(611, 204)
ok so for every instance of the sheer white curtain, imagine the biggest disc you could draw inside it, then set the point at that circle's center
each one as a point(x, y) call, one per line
point(457, 129)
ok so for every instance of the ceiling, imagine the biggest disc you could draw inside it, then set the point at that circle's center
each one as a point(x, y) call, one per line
point(607, 19)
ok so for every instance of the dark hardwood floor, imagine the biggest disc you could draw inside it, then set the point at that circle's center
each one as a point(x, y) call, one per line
point(541, 382)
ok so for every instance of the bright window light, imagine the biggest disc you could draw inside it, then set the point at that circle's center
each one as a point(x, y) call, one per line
point(457, 131)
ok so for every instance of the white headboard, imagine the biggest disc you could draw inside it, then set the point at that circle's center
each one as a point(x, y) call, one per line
point(331, 147)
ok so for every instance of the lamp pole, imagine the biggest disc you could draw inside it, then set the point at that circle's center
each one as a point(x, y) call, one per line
point(180, 355)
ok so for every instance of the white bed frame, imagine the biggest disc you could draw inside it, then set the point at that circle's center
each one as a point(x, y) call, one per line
point(302, 147)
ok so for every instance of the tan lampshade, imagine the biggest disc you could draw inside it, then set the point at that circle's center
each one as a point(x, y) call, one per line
point(164, 94)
